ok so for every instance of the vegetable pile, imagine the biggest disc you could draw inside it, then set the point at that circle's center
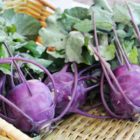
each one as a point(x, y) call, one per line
point(87, 57)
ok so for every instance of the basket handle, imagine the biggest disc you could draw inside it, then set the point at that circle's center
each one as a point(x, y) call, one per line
point(45, 3)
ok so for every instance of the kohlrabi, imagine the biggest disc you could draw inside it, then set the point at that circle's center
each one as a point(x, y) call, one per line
point(29, 103)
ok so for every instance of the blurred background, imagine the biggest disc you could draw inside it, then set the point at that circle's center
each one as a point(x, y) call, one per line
point(64, 4)
point(111, 1)
point(89, 2)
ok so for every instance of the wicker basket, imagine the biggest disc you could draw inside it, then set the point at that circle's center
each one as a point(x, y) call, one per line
point(39, 9)
point(9, 132)
point(75, 127)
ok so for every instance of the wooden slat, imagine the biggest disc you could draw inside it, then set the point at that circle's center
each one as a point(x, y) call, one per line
point(11, 132)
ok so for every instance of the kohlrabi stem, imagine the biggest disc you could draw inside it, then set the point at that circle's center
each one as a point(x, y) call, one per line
point(6, 60)
point(3, 108)
point(121, 49)
point(93, 107)
point(109, 81)
point(10, 60)
point(83, 113)
point(87, 69)
point(39, 66)
point(19, 70)
point(104, 102)
point(13, 121)
point(118, 57)
point(95, 33)
point(12, 77)
point(2, 83)
point(11, 55)
point(15, 107)
point(65, 68)
point(87, 78)
point(104, 64)
point(29, 73)
point(42, 123)
point(91, 87)
point(133, 21)
point(72, 97)
point(112, 76)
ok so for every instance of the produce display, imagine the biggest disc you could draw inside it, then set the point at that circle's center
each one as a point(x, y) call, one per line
point(86, 58)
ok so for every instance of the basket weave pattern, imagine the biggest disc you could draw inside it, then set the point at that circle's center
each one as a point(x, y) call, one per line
point(39, 9)
point(77, 127)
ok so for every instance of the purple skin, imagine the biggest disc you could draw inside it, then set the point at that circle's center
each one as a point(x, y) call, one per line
point(64, 96)
point(39, 106)
point(74, 88)
point(124, 84)
point(27, 109)
point(122, 70)
point(130, 83)
point(64, 81)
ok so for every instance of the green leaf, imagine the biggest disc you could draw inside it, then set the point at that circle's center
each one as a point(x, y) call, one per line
point(120, 14)
point(103, 4)
point(3, 52)
point(133, 56)
point(135, 7)
point(2, 22)
point(1, 5)
point(3, 36)
point(57, 54)
point(53, 38)
point(108, 52)
point(16, 37)
point(54, 23)
point(74, 46)
point(87, 57)
point(103, 39)
point(5, 68)
point(103, 18)
point(40, 61)
point(128, 45)
point(56, 65)
point(33, 49)
point(78, 12)
point(11, 28)
point(25, 24)
point(68, 21)
point(8, 14)
point(72, 16)
point(131, 51)
point(84, 25)
point(121, 33)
